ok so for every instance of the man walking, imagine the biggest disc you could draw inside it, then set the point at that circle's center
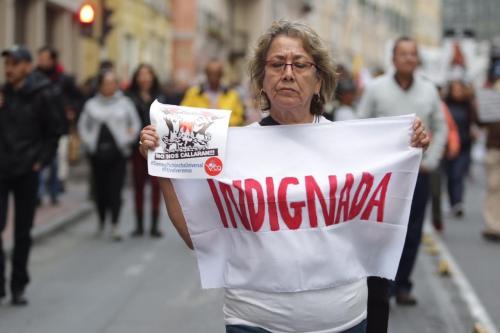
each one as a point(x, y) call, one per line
point(29, 130)
point(70, 98)
point(213, 95)
point(394, 94)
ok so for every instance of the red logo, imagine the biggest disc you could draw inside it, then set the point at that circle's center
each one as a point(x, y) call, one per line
point(213, 166)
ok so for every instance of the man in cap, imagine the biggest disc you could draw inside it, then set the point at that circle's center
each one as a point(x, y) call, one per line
point(30, 124)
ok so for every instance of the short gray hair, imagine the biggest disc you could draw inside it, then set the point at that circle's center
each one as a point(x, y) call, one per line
point(312, 43)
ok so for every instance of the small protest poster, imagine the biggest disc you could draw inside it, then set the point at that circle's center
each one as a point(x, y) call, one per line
point(192, 141)
point(489, 105)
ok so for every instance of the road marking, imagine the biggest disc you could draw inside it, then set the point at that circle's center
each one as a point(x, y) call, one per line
point(134, 270)
point(148, 256)
point(476, 307)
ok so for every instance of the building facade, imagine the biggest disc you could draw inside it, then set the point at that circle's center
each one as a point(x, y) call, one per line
point(358, 32)
point(35, 23)
point(141, 31)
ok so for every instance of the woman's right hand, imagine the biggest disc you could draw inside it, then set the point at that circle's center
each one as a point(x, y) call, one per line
point(149, 140)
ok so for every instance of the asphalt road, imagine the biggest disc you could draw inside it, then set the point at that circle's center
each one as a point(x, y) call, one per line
point(478, 259)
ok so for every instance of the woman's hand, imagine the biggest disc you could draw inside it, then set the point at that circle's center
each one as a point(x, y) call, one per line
point(149, 140)
point(420, 137)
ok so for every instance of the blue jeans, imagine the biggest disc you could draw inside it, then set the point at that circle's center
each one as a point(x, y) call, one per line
point(456, 171)
point(360, 328)
point(48, 177)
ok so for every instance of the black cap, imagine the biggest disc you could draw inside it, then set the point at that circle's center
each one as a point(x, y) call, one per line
point(19, 53)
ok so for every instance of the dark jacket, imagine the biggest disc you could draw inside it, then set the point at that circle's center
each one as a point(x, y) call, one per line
point(66, 92)
point(142, 106)
point(464, 115)
point(142, 109)
point(30, 126)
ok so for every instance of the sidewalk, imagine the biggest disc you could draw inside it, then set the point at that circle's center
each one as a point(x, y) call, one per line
point(72, 207)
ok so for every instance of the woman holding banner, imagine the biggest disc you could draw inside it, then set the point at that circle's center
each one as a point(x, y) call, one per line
point(294, 76)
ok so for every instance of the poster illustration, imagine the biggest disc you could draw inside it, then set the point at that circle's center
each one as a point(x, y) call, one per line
point(192, 141)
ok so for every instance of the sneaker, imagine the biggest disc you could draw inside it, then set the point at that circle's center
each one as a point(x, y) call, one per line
point(115, 234)
point(405, 299)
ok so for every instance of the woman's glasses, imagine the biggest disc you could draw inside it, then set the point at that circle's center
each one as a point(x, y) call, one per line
point(298, 67)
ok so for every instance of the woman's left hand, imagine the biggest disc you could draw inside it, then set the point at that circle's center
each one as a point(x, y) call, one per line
point(420, 137)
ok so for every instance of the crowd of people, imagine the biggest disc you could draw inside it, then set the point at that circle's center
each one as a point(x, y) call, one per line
point(40, 108)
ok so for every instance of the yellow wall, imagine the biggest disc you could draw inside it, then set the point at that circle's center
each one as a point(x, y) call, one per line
point(150, 31)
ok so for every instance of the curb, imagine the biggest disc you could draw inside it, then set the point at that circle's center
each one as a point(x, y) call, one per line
point(46, 230)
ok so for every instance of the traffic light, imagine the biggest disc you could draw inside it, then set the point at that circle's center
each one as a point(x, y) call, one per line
point(86, 18)
point(106, 23)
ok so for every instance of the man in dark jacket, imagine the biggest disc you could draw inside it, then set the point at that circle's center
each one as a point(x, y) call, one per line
point(70, 99)
point(29, 131)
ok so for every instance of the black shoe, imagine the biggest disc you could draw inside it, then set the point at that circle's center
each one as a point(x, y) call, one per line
point(155, 233)
point(458, 210)
point(137, 233)
point(2, 294)
point(62, 186)
point(18, 299)
point(405, 299)
point(491, 236)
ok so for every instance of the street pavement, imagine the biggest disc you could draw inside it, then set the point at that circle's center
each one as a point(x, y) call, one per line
point(85, 283)
point(478, 259)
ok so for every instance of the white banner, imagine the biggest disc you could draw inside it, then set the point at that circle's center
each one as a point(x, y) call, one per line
point(489, 105)
point(304, 207)
point(192, 141)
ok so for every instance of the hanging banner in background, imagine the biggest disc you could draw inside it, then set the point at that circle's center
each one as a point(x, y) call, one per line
point(192, 141)
point(304, 207)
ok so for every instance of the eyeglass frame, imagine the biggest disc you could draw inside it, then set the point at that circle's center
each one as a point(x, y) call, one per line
point(292, 65)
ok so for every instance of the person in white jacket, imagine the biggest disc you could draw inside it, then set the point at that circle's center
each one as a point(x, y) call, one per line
point(108, 126)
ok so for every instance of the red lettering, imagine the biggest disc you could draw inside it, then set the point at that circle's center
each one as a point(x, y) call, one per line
point(379, 192)
point(227, 193)
point(256, 216)
point(250, 205)
point(242, 212)
point(313, 191)
point(343, 207)
point(271, 205)
point(293, 222)
point(218, 202)
point(365, 185)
